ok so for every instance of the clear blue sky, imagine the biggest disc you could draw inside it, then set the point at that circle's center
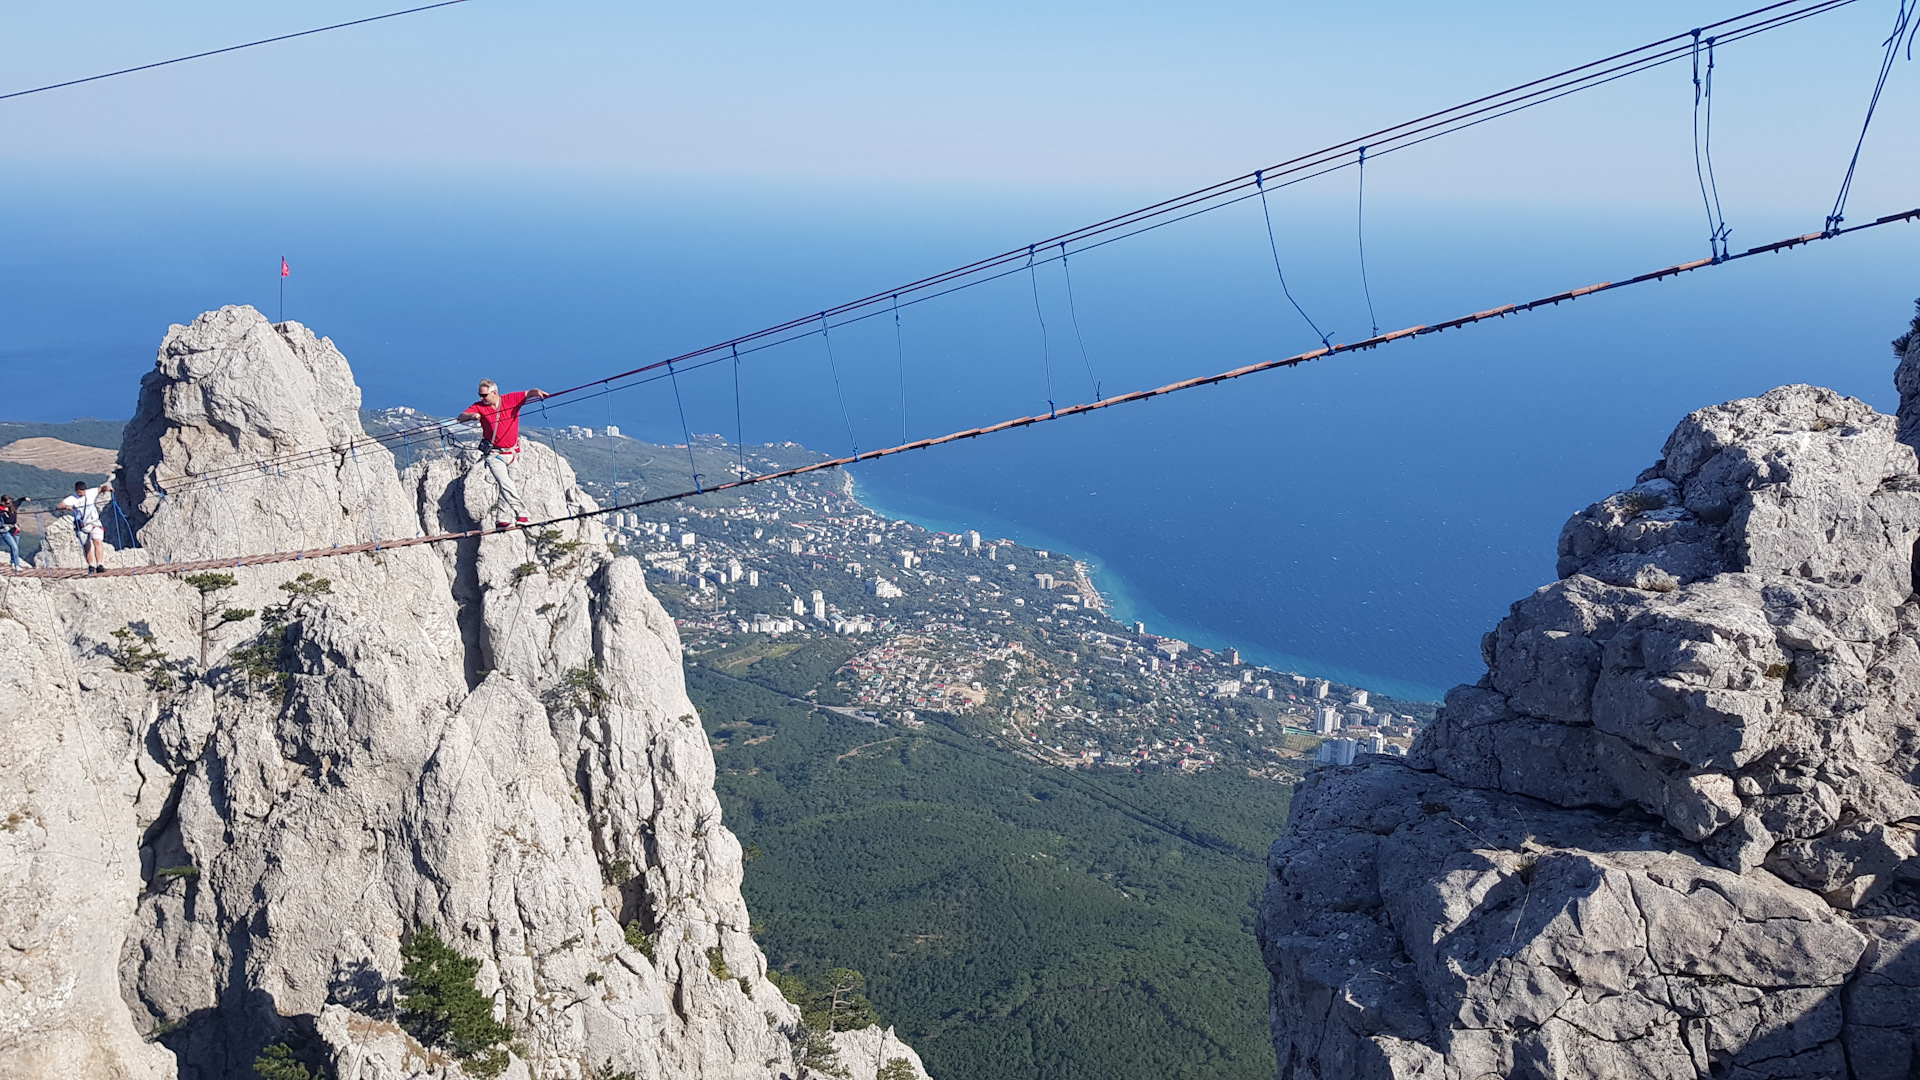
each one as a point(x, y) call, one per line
point(1116, 97)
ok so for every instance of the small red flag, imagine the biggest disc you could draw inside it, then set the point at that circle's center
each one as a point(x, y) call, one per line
point(284, 272)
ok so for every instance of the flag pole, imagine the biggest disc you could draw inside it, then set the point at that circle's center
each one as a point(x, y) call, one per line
point(283, 289)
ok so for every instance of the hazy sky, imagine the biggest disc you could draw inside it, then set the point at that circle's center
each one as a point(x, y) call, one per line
point(1120, 96)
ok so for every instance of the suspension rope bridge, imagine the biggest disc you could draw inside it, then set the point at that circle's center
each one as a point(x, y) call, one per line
point(1258, 184)
point(1697, 45)
point(1295, 360)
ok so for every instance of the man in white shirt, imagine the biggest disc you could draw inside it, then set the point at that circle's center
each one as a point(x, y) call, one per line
point(84, 504)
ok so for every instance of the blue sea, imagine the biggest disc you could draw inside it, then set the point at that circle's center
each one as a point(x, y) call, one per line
point(1366, 518)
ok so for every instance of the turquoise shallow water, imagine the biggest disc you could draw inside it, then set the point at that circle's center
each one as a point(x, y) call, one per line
point(1366, 519)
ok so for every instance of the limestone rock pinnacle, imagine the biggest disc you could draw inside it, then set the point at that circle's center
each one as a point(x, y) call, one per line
point(1671, 832)
point(490, 739)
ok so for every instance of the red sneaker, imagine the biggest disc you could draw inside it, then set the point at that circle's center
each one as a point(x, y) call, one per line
point(503, 524)
point(522, 521)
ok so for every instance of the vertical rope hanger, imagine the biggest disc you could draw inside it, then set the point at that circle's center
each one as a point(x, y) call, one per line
point(900, 359)
point(827, 336)
point(613, 451)
point(1274, 246)
point(684, 429)
point(1717, 231)
point(1903, 26)
point(739, 426)
point(1360, 233)
point(1046, 354)
point(1073, 313)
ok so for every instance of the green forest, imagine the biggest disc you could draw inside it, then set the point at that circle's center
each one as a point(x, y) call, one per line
point(1013, 921)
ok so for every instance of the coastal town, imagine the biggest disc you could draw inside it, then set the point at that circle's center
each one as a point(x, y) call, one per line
point(1003, 641)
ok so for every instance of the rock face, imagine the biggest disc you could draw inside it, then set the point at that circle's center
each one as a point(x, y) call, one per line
point(491, 740)
point(1672, 831)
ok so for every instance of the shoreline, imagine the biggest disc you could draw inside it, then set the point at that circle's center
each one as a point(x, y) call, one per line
point(1119, 603)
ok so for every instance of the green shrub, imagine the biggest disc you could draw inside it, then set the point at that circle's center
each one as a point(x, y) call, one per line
point(260, 660)
point(277, 1062)
point(896, 1069)
point(641, 941)
point(581, 691)
point(717, 963)
point(135, 653)
point(550, 549)
point(441, 1006)
point(813, 1046)
point(831, 1003)
point(606, 1071)
point(1900, 343)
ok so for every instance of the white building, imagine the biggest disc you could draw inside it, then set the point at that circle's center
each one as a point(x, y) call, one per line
point(1376, 744)
point(884, 589)
point(908, 560)
point(612, 432)
point(973, 540)
point(1227, 689)
point(1320, 688)
point(1359, 697)
point(1045, 581)
point(793, 547)
point(753, 579)
point(1326, 721)
point(819, 605)
point(686, 539)
point(799, 606)
point(1337, 752)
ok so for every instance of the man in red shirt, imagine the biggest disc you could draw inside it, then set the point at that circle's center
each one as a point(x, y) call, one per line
point(499, 416)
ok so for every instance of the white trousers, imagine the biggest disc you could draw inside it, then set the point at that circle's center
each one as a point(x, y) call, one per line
point(507, 506)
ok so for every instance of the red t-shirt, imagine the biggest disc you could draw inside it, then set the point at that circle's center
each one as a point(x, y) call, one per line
point(500, 424)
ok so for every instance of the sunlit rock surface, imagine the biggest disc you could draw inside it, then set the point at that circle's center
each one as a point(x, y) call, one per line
point(1672, 831)
point(489, 738)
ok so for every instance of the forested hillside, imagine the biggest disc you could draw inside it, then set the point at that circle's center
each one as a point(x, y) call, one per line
point(1015, 921)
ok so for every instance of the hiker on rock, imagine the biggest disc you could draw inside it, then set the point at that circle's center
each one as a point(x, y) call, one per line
point(10, 525)
point(84, 505)
point(499, 416)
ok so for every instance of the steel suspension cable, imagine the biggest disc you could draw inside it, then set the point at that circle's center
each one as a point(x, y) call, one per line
point(228, 49)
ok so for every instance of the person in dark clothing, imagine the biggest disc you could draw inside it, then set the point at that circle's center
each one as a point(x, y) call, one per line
point(10, 525)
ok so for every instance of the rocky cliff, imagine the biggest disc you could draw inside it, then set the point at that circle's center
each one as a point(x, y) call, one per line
point(1671, 832)
point(490, 740)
